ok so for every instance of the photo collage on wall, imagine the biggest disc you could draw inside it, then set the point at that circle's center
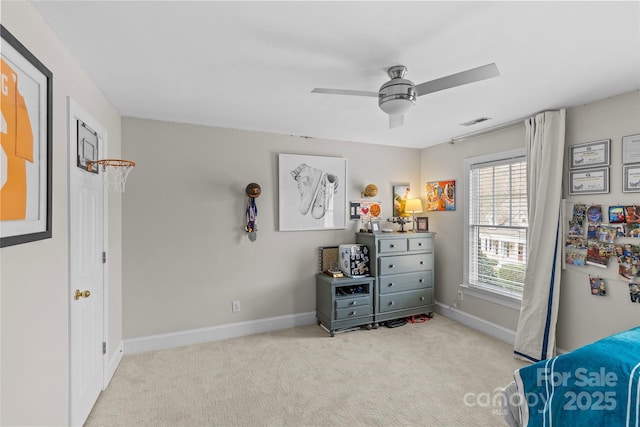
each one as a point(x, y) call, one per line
point(595, 235)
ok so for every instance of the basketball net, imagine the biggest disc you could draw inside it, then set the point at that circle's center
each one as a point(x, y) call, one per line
point(115, 172)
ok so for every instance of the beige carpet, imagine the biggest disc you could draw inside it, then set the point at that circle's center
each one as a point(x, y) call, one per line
point(438, 373)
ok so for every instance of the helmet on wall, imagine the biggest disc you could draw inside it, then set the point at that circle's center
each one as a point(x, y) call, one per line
point(253, 190)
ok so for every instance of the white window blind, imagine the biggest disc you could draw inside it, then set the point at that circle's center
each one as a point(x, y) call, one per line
point(498, 225)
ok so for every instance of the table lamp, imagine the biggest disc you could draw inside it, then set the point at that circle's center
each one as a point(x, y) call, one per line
point(413, 206)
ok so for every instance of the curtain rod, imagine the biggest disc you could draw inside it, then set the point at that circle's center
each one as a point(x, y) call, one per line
point(495, 128)
point(488, 130)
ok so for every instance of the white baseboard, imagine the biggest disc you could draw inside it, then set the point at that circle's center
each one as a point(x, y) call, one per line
point(215, 333)
point(112, 365)
point(474, 322)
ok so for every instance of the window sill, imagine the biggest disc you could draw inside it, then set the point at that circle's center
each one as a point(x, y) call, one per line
point(506, 300)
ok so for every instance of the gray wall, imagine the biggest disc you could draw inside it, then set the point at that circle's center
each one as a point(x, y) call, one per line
point(34, 293)
point(582, 318)
point(186, 254)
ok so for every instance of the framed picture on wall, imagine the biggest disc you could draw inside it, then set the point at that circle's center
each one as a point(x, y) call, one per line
point(631, 149)
point(400, 196)
point(631, 178)
point(589, 181)
point(589, 154)
point(312, 192)
point(441, 195)
point(26, 181)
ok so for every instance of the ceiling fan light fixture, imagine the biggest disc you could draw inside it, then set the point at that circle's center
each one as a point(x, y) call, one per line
point(397, 105)
point(397, 96)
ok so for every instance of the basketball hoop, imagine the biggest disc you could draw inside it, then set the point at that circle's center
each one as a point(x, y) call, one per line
point(116, 172)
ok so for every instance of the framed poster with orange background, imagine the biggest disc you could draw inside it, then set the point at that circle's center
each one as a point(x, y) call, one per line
point(25, 144)
point(441, 195)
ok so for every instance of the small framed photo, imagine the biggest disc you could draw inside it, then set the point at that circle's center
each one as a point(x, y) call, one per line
point(375, 226)
point(422, 224)
point(631, 149)
point(589, 181)
point(631, 178)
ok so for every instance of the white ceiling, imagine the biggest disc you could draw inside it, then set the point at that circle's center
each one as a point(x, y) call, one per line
point(252, 65)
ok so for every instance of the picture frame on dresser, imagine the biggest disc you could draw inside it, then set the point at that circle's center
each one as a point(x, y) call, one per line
point(422, 224)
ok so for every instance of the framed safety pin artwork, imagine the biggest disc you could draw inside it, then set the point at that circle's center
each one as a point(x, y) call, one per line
point(312, 192)
point(26, 154)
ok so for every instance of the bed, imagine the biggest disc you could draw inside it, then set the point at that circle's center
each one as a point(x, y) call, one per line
point(594, 385)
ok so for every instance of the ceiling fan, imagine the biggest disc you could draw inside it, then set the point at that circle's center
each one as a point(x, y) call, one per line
point(398, 95)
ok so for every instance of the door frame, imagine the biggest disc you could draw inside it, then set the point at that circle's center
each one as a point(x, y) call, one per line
point(76, 112)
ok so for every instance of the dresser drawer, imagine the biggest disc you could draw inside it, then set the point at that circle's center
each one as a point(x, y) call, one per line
point(403, 300)
point(353, 302)
point(390, 246)
point(348, 313)
point(406, 282)
point(421, 244)
point(405, 263)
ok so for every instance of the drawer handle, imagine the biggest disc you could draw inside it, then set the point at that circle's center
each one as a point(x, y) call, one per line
point(391, 265)
point(421, 262)
point(392, 246)
point(352, 303)
point(391, 284)
point(353, 313)
point(392, 303)
point(419, 244)
point(421, 280)
point(421, 298)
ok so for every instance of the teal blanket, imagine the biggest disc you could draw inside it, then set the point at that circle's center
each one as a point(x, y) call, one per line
point(595, 385)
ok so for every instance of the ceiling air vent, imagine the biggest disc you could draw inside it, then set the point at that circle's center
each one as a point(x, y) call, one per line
point(475, 121)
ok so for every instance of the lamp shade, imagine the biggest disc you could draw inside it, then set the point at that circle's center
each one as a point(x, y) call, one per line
point(413, 206)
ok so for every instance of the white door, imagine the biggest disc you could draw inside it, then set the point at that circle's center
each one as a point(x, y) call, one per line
point(86, 267)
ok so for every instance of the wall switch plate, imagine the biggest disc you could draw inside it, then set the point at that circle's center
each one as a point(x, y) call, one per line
point(235, 306)
point(460, 295)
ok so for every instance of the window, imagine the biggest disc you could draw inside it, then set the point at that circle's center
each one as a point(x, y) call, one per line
point(497, 223)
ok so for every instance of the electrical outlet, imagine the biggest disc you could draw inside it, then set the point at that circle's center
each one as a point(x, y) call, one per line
point(460, 295)
point(235, 306)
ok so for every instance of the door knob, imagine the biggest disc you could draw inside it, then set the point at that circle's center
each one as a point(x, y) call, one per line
point(83, 294)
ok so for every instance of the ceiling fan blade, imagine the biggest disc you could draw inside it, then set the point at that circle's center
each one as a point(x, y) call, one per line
point(458, 79)
point(396, 120)
point(345, 92)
